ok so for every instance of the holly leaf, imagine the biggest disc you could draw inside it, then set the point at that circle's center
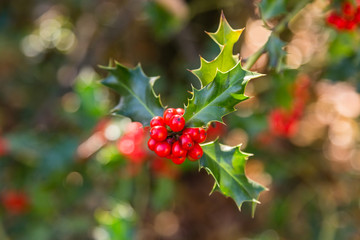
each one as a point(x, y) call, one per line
point(219, 97)
point(225, 37)
point(138, 100)
point(272, 8)
point(227, 166)
point(275, 48)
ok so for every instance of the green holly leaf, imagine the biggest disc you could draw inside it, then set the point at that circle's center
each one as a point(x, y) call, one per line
point(219, 97)
point(227, 166)
point(138, 100)
point(272, 8)
point(225, 37)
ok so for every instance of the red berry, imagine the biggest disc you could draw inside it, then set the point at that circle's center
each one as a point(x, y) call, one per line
point(178, 160)
point(177, 123)
point(151, 144)
point(196, 152)
point(357, 15)
point(159, 133)
point(180, 111)
point(331, 19)
point(163, 149)
point(186, 142)
point(157, 121)
point(194, 133)
point(177, 150)
point(202, 135)
point(168, 114)
point(350, 25)
point(348, 9)
point(15, 202)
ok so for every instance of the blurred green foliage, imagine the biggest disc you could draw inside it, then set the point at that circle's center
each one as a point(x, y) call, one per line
point(59, 147)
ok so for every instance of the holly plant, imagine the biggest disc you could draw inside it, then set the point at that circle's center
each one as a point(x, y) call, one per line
point(179, 134)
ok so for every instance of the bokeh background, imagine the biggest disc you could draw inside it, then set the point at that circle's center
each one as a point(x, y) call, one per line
point(69, 170)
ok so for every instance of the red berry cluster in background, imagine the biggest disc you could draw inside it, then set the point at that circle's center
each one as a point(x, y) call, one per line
point(169, 138)
point(283, 122)
point(15, 202)
point(131, 144)
point(347, 19)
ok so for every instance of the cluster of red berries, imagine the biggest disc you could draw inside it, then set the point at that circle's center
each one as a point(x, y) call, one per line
point(283, 122)
point(347, 19)
point(15, 202)
point(169, 138)
point(131, 144)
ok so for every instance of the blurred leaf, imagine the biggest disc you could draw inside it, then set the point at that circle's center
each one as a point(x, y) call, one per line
point(218, 98)
point(163, 21)
point(227, 166)
point(275, 48)
point(92, 96)
point(282, 87)
point(225, 37)
point(272, 8)
point(163, 193)
point(138, 100)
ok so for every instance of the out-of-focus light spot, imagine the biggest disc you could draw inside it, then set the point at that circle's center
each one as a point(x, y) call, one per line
point(123, 123)
point(66, 40)
point(123, 210)
point(31, 45)
point(338, 154)
point(66, 75)
point(294, 56)
point(324, 111)
point(100, 234)
point(236, 137)
point(306, 44)
point(246, 108)
point(103, 157)
point(347, 103)
point(166, 224)
point(255, 171)
point(104, 216)
point(256, 34)
point(91, 145)
point(126, 146)
point(341, 133)
point(112, 132)
point(70, 102)
point(178, 8)
point(355, 161)
point(87, 75)
point(50, 31)
point(75, 179)
point(309, 130)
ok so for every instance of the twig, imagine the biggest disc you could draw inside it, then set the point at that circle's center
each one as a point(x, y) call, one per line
point(277, 30)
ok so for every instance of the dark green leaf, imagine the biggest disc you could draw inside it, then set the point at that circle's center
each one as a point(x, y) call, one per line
point(272, 8)
point(275, 48)
point(138, 100)
point(227, 166)
point(219, 97)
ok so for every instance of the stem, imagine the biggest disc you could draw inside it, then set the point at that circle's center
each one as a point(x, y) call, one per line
point(277, 30)
point(253, 58)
